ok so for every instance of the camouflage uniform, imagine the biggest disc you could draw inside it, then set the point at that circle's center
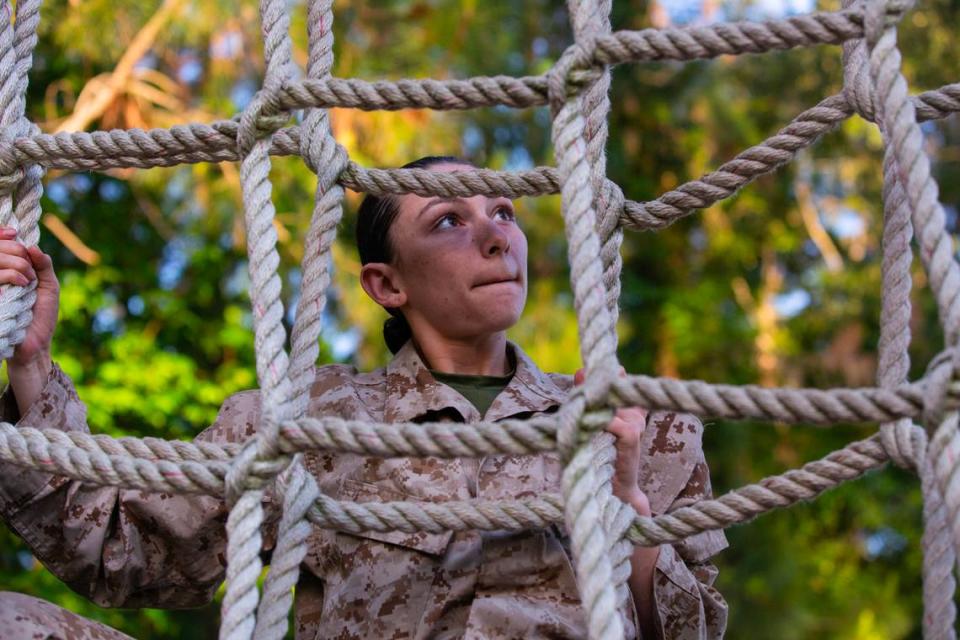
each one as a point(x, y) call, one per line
point(129, 548)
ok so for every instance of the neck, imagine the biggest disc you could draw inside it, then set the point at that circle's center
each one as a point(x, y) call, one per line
point(481, 356)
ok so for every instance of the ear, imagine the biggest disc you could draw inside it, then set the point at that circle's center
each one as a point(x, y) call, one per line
point(382, 283)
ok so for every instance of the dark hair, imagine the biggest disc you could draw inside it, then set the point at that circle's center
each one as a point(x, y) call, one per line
point(374, 219)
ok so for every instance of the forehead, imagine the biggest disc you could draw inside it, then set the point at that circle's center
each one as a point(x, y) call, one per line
point(412, 203)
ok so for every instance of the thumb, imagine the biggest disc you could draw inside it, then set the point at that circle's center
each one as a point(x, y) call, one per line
point(42, 264)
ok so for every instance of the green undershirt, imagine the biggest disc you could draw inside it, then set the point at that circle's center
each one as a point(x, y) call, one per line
point(481, 391)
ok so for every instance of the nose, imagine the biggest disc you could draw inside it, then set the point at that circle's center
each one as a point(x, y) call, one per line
point(493, 239)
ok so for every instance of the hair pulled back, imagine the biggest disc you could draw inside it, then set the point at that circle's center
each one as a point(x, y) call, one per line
point(374, 220)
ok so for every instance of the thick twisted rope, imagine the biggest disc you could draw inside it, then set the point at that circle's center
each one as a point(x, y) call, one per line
point(162, 465)
point(246, 516)
point(20, 190)
point(909, 188)
point(592, 20)
point(299, 490)
point(929, 221)
point(596, 323)
point(216, 142)
point(327, 159)
point(936, 247)
point(893, 366)
point(737, 506)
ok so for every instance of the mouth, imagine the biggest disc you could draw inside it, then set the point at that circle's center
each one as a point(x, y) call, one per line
point(488, 283)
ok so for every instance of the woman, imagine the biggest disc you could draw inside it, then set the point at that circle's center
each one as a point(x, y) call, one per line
point(452, 272)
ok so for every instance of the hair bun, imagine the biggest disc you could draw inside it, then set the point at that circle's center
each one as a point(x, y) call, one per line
point(396, 332)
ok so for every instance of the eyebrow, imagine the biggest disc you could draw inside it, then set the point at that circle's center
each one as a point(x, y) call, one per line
point(433, 202)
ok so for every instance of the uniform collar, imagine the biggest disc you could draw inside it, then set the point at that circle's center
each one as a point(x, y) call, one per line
point(413, 394)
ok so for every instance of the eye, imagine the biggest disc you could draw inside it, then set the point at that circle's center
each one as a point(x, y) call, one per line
point(505, 213)
point(446, 221)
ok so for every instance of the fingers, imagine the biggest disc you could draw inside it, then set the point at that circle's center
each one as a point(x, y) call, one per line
point(16, 260)
point(626, 431)
point(41, 261)
point(633, 414)
point(628, 425)
point(20, 265)
point(12, 276)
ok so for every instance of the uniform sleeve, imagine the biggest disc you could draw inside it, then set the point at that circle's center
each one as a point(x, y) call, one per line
point(119, 547)
point(688, 605)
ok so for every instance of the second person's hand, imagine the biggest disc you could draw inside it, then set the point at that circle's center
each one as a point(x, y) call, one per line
point(20, 265)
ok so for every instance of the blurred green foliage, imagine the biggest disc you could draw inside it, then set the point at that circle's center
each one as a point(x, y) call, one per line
point(156, 330)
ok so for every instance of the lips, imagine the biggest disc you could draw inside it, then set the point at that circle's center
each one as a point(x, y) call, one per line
point(500, 280)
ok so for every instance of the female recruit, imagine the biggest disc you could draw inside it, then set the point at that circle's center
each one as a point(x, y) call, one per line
point(452, 274)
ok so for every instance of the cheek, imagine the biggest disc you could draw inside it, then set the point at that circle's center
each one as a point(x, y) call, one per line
point(433, 274)
point(518, 242)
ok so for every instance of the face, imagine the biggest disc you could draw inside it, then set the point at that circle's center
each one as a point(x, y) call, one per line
point(460, 264)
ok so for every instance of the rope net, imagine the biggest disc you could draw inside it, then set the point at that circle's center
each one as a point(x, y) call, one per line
point(602, 528)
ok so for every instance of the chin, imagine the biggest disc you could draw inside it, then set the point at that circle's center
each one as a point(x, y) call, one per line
point(501, 319)
point(492, 313)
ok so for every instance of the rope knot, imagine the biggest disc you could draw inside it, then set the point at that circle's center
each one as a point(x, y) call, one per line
point(857, 84)
point(321, 152)
point(941, 390)
point(259, 461)
point(587, 409)
point(610, 205)
point(260, 119)
point(905, 443)
point(573, 72)
point(9, 181)
point(880, 15)
point(10, 173)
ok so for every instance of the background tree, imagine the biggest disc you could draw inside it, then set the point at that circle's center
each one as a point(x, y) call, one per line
point(779, 285)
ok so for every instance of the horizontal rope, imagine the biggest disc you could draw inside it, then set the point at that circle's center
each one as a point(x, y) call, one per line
point(217, 142)
point(750, 402)
point(775, 492)
point(200, 467)
point(616, 48)
point(740, 505)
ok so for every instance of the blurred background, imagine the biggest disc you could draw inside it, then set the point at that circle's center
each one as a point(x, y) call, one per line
point(779, 285)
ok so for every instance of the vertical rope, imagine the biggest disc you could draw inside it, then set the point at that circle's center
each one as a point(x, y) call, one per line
point(246, 517)
point(910, 184)
point(893, 367)
point(920, 189)
point(591, 20)
point(19, 194)
point(583, 516)
point(299, 491)
point(617, 519)
point(939, 584)
point(30, 189)
point(580, 167)
point(327, 159)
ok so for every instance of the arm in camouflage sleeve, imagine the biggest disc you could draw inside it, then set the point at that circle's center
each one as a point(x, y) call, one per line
point(118, 547)
point(687, 604)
